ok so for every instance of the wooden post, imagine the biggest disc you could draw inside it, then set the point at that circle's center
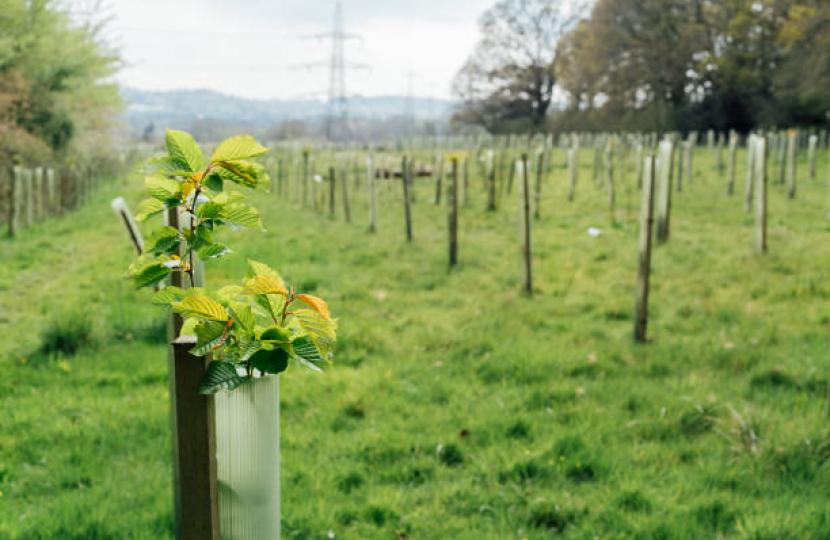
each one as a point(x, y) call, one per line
point(811, 155)
point(730, 171)
point(639, 165)
point(491, 182)
point(540, 165)
point(406, 199)
point(719, 154)
point(681, 164)
point(372, 193)
point(40, 203)
point(750, 165)
point(119, 205)
point(14, 199)
point(439, 179)
point(331, 191)
point(524, 221)
point(644, 253)
point(782, 158)
point(194, 462)
point(52, 201)
point(664, 168)
point(344, 188)
point(452, 212)
point(791, 151)
point(573, 167)
point(760, 195)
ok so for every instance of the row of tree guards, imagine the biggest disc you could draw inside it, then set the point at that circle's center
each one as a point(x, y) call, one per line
point(661, 166)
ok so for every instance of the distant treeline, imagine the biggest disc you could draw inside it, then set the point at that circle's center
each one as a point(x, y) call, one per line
point(650, 65)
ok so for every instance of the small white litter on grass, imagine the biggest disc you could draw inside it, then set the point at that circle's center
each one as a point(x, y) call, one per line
point(593, 231)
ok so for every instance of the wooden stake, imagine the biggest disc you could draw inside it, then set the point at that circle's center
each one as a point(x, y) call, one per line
point(194, 463)
point(540, 164)
point(439, 179)
point(524, 220)
point(372, 193)
point(760, 195)
point(664, 168)
point(331, 191)
point(344, 187)
point(791, 151)
point(119, 205)
point(730, 171)
point(750, 166)
point(30, 196)
point(644, 252)
point(14, 199)
point(452, 212)
point(491, 182)
point(406, 199)
point(811, 155)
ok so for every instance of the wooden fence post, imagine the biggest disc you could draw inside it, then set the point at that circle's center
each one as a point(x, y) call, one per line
point(344, 188)
point(120, 208)
point(194, 432)
point(52, 204)
point(811, 155)
point(14, 199)
point(40, 203)
point(439, 179)
point(681, 164)
point(524, 221)
point(791, 151)
point(406, 199)
point(760, 195)
point(491, 182)
point(331, 191)
point(372, 192)
point(749, 188)
point(730, 170)
point(664, 168)
point(782, 157)
point(452, 212)
point(644, 253)
point(540, 163)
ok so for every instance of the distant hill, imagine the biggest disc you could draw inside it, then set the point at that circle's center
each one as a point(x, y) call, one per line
point(184, 107)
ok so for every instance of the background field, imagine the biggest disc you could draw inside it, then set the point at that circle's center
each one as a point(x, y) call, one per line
point(457, 408)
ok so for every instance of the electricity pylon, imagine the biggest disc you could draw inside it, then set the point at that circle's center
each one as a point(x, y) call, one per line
point(337, 115)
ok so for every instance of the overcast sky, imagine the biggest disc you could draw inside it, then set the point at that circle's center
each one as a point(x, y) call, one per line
point(248, 47)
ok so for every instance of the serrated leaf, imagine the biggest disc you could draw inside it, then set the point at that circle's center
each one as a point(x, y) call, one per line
point(183, 150)
point(322, 331)
point(265, 284)
point(213, 182)
point(166, 166)
point(212, 251)
point(189, 327)
point(228, 197)
point(209, 210)
point(163, 240)
point(245, 173)
point(163, 189)
point(168, 295)
point(202, 307)
point(307, 353)
point(239, 147)
point(220, 376)
point(242, 215)
point(229, 292)
point(273, 361)
point(243, 315)
point(208, 336)
point(247, 347)
point(148, 208)
point(318, 304)
point(146, 272)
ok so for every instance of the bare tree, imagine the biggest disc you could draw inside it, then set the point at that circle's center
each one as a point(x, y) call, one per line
point(510, 77)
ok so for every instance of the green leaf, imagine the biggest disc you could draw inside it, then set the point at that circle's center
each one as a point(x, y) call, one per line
point(245, 173)
point(202, 307)
point(239, 147)
point(166, 166)
point(306, 352)
point(228, 197)
point(189, 327)
point(208, 335)
point(246, 348)
point(322, 331)
point(220, 376)
point(276, 334)
point(163, 189)
point(146, 272)
point(266, 285)
point(149, 208)
point(209, 210)
point(183, 150)
point(164, 240)
point(242, 215)
point(213, 251)
point(243, 315)
point(256, 268)
point(229, 292)
point(213, 182)
point(274, 361)
point(168, 295)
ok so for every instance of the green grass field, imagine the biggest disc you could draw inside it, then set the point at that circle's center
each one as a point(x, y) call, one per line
point(457, 408)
